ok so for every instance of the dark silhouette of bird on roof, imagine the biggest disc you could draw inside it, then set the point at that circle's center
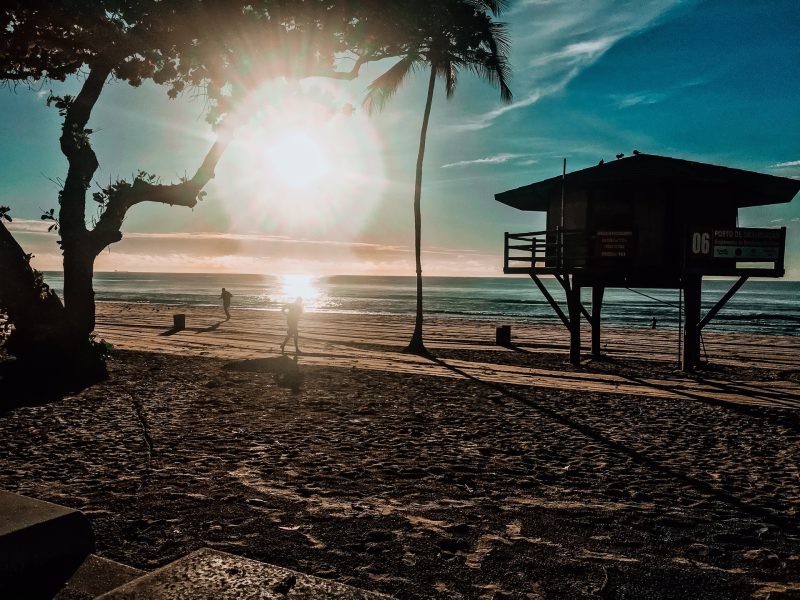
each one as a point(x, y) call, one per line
point(601, 162)
point(620, 155)
point(636, 153)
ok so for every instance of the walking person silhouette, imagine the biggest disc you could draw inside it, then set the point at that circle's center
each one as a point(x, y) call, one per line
point(226, 303)
point(292, 311)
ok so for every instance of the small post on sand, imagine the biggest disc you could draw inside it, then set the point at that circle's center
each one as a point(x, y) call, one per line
point(179, 321)
point(503, 335)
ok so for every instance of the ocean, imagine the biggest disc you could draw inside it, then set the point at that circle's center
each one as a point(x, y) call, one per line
point(764, 306)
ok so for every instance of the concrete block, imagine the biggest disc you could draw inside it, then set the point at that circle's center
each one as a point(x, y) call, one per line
point(212, 574)
point(41, 545)
point(97, 575)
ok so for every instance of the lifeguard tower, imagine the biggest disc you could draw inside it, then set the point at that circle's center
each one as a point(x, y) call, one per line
point(646, 221)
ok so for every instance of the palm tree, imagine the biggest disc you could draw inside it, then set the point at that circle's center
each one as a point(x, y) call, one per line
point(454, 35)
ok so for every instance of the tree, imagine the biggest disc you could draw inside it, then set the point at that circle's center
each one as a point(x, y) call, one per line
point(456, 35)
point(220, 48)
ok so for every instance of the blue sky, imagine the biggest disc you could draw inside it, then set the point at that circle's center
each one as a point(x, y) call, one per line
point(715, 81)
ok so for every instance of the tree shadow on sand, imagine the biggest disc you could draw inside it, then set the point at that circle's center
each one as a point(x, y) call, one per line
point(286, 370)
point(638, 457)
point(27, 384)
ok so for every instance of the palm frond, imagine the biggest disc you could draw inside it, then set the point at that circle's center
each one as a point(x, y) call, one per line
point(380, 91)
point(448, 70)
point(489, 60)
point(502, 38)
point(496, 7)
point(495, 70)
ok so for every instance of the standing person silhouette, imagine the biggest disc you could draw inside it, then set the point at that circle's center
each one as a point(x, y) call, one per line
point(226, 303)
point(293, 311)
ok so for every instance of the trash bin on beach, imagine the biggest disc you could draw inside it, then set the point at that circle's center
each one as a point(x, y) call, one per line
point(179, 321)
point(503, 335)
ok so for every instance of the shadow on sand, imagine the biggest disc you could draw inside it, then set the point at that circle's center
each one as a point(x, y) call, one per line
point(210, 328)
point(638, 457)
point(286, 370)
point(37, 384)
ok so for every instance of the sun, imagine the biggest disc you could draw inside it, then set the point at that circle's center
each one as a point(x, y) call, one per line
point(300, 165)
point(298, 159)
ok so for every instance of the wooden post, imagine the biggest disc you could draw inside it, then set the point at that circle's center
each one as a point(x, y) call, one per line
point(692, 286)
point(597, 305)
point(779, 264)
point(574, 304)
point(722, 301)
point(505, 254)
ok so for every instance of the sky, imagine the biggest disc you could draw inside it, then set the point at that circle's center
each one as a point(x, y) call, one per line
point(714, 81)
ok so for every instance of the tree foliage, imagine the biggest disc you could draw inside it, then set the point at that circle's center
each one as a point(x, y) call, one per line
point(218, 49)
point(200, 44)
point(452, 37)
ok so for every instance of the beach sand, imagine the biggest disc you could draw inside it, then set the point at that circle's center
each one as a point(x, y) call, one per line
point(485, 473)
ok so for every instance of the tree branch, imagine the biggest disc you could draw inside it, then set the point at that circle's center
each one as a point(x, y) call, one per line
point(352, 73)
point(81, 158)
point(107, 230)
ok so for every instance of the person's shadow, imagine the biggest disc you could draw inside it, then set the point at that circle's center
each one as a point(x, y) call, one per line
point(174, 330)
point(210, 328)
point(286, 370)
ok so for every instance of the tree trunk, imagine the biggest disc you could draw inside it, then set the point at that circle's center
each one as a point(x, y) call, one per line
point(56, 334)
point(76, 243)
point(79, 294)
point(416, 345)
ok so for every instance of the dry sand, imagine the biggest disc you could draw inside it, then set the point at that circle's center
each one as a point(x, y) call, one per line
point(487, 472)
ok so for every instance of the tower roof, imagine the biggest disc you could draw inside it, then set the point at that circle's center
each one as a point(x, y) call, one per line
point(736, 186)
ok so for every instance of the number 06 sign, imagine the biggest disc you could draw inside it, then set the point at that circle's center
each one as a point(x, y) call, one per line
point(745, 244)
point(701, 243)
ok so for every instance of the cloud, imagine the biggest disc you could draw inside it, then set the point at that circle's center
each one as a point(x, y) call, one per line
point(523, 3)
point(497, 159)
point(29, 225)
point(565, 38)
point(784, 165)
point(584, 52)
point(643, 99)
point(486, 119)
point(212, 252)
point(646, 98)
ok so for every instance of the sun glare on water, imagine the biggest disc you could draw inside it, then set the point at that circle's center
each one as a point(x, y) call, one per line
point(299, 286)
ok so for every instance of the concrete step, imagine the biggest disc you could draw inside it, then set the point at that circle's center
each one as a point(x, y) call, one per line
point(209, 573)
point(41, 546)
point(97, 575)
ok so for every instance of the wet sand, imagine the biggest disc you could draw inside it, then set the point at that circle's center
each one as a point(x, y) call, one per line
point(486, 473)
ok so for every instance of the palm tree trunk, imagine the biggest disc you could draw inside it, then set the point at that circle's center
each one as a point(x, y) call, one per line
point(416, 345)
